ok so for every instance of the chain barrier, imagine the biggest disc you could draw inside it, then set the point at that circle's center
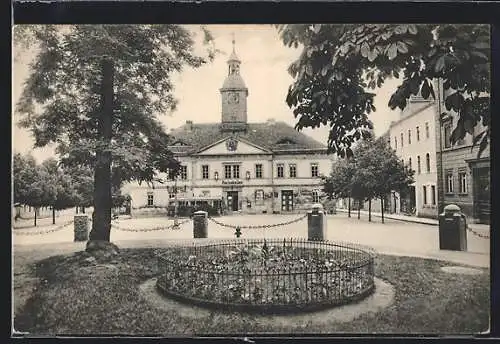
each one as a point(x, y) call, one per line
point(43, 231)
point(257, 226)
point(484, 236)
point(159, 228)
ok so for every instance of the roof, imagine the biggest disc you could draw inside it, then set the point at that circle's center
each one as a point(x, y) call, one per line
point(234, 81)
point(274, 136)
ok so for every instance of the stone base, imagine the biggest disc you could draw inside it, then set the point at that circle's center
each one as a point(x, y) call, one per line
point(381, 298)
point(102, 250)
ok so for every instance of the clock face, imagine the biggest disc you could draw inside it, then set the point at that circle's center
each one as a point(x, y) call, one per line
point(234, 98)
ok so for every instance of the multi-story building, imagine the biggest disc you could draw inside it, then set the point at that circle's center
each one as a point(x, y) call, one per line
point(464, 178)
point(248, 167)
point(414, 140)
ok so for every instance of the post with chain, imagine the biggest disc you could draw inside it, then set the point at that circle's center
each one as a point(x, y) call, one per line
point(316, 223)
point(81, 227)
point(452, 229)
point(200, 224)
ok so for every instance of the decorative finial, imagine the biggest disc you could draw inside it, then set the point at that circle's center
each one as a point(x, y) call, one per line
point(234, 42)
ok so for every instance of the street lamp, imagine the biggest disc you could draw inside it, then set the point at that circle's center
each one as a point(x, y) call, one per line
point(176, 220)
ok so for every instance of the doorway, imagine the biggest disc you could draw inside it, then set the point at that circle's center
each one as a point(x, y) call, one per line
point(232, 200)
point(286, 200)
point(482, 194)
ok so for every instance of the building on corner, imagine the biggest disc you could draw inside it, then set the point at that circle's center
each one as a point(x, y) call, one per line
point(241, 166)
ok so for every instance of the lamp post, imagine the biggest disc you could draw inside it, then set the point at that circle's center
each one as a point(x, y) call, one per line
point(176, 220)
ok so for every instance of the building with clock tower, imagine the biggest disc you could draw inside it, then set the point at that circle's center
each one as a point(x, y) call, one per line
point(234, 93)
point(237, 165)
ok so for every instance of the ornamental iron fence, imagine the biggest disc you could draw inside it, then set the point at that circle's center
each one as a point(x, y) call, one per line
point(266, 275)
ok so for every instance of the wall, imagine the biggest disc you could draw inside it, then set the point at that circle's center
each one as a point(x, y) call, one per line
point(195, 186)
point(454, 159)
point(418, 114)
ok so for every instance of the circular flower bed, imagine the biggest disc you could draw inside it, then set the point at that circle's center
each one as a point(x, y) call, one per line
point(267, 275)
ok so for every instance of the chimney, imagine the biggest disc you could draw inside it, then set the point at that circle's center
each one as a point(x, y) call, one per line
point(189, 125)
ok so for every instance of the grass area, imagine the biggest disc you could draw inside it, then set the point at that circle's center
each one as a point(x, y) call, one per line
point(76, 295)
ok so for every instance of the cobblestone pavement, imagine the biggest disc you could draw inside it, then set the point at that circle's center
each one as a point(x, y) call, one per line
point(393, 237)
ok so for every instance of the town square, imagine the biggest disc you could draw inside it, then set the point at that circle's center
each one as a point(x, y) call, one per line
point(201, 180)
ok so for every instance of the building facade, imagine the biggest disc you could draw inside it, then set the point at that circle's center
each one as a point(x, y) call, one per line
point(464, 177)
point(414, 140)
point(245, 167)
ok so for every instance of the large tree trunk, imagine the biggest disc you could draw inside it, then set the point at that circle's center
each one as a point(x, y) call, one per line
point(370, 210)
point(77, 210)
point(53, 215)
point(101, 226)
point(359, 209)
point(349, 207)
point(83, 210)
point(35, 216)
point(382, 207)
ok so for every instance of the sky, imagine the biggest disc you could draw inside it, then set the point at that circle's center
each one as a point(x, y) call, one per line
point(265, 61)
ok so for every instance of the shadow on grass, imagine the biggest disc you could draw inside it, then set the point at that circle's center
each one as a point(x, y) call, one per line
point(79, 296)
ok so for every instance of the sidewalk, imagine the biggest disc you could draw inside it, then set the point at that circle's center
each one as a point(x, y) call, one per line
point(421, 220)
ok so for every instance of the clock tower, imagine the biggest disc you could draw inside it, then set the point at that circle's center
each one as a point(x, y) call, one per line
point(234, 95)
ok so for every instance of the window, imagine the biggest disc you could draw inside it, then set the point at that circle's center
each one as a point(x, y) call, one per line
point(315, 196)
point(418, 164)
point(418, 134)
point(293, 170)
point(280, 171)
point(409, 163)
point(462, 178)
point(395, 142)
point(259, 197)
point(447, 135)
point(171, 196)
point(314, 170)
point(236, 171)
point(170, 175)
point(204, 171)
point(409, 136)
point(433, 194)
point(227, 171)
point(151, 201)
point(449, 182)
point(402, 138)
point(427, 131)
point(258, 171)
point(184, 172)
point(428, 162)
point(424, 194)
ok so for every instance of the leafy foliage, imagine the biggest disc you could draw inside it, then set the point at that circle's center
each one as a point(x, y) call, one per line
point(372, 172)
point(340, 64)
point(65, 83)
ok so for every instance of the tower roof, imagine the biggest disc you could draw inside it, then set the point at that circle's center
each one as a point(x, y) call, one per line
point(234, 81)
point(233, 56)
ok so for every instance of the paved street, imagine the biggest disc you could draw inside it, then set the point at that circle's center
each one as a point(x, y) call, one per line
point(393, 237)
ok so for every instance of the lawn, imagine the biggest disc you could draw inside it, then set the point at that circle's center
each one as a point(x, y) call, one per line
point(76, 295)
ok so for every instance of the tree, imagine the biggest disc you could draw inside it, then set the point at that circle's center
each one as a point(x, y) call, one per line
point(99, 88)
point(380, 171)
point(338, 183)
point(24, 173)
point(341, 63)
point(64, 195)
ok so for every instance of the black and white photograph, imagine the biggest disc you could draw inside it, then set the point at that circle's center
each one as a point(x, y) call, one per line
point(187, 180)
